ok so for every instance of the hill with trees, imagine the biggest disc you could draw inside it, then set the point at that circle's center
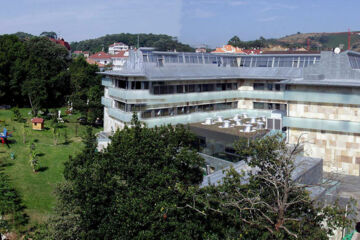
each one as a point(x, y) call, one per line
point(323, 41)
point(161, 42)
point(318, 41)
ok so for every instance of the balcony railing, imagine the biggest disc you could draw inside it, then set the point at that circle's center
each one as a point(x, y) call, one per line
point(107, 82)
point(201, 117)
point(120, 115)
point(133, 96)
point(106, 102)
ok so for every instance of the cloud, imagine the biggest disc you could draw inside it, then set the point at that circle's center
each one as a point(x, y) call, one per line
point(268, 19)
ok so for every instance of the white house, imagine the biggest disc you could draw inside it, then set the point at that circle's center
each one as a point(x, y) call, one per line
point(101, 57)
point(118, 47)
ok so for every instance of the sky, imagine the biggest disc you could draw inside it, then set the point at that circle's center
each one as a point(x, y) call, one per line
point(211, 22)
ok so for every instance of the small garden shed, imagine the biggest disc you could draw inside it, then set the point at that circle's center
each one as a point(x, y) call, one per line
point(37, 123)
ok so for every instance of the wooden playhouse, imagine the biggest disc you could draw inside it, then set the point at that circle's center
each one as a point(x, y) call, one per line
point(37, 123)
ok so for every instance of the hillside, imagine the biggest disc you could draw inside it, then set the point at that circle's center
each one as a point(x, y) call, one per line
point(159, 41)
point(323, 41)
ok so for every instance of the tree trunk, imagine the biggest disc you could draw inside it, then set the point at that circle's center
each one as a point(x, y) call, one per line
point(32, 107)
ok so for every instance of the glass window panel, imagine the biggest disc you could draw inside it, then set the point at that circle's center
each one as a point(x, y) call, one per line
point(234, 86)
point(277, 124)
point(146, 114)
point(181, 110)
point(259, 86)
point(259, 105)
point(180, 88)
point(228, 86)
point(192, 88)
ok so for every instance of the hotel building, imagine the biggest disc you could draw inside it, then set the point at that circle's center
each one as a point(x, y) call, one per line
point(317, 96)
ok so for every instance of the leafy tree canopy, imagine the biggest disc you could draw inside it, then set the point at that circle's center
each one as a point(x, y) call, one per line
point(160, 41)
point(125, 192)
point(236, 42)
point(49, 34)
point(268, 203)
point(38, 73)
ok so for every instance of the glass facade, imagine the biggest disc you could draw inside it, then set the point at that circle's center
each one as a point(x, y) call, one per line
point(270, 61)
point(190, 88)
point(181, 110)
point(134, 85)
point(354, 60)
point(269, 106)
point(267, 86)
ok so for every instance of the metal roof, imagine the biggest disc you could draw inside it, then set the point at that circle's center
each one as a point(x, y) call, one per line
point(326, 68)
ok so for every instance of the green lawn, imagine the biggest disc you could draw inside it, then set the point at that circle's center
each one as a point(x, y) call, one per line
point(36, 189)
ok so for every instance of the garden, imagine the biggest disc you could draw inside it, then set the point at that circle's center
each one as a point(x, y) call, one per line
point(34, 159)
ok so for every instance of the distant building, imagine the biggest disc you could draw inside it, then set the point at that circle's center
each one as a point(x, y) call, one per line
point(101, 57)
point(119, 59)
point(200, 50)
point(236, 50)
point(118, 47)
point(62, 42)
point(252, 51)
point(228, 49)
point(86, 54)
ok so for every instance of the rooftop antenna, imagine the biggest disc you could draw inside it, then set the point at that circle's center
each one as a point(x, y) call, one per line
point(349, 38)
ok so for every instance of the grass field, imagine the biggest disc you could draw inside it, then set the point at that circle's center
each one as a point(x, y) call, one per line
point(37, 189)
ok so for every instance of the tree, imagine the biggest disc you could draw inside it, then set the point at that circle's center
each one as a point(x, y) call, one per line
point(16, 114)
point(49, 34)
point(66, 137)
point(267, 203)
point(125, 192)
point(12, 215)
point(12, 56)
point(86, 89)
point(34, 157)
point(235, 41)
point(45, 83)
point(161, 41)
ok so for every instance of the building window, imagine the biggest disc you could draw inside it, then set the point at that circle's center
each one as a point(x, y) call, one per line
point(259, 105)
point(120, 105)
point(259, 86)
point(146, 114)
point(179, 88)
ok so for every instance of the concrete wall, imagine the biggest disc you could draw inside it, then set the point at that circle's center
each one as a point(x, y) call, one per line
point(111, 124)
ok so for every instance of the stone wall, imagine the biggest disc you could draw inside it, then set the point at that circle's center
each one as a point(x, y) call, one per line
point(325, 111)
point(340, 151)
